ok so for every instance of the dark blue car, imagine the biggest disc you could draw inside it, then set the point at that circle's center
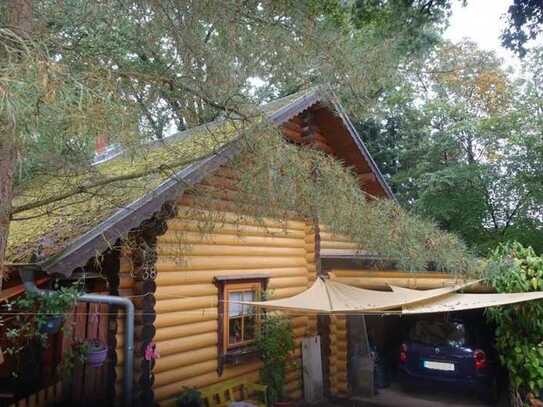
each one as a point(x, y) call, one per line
point(452, 353)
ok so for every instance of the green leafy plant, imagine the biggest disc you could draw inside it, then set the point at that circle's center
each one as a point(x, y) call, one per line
point(189, 398)
point(24, 331)
point(519, 339)
point(50, 303)
point(32, 311)
point(75, 356)
point(274, 343)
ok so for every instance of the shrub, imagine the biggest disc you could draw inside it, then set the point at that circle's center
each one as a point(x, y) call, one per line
point(519, 327)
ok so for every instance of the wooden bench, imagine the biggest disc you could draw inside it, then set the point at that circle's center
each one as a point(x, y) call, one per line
point(223, 394)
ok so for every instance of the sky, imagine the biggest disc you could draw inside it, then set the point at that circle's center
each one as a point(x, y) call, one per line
point(482, 21)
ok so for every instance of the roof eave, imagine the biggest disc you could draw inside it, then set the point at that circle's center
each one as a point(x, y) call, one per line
point(363, 150)
point(106, 233)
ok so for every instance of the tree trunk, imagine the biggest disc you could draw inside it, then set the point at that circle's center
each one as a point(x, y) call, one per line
point(7, 167)
point(19, 20)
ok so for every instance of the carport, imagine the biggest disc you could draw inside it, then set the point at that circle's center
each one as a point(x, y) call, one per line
point(385, 333)
point(347, 306)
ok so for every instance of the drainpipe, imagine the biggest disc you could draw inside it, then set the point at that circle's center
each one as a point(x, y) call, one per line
point(27, 277)
point(128, 338)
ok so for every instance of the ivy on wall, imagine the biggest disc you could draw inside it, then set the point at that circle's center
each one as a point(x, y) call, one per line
point(519, 328)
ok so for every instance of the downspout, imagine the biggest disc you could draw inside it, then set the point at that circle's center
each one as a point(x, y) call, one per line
point(27, 277)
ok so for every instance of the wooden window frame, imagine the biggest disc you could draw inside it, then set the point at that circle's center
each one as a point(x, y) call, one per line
point(240, 352)
point(255, 287)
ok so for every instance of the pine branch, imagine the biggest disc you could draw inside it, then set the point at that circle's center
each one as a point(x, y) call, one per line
point(86, 188)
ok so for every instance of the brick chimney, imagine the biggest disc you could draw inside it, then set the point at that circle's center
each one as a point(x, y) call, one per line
point(101, 144)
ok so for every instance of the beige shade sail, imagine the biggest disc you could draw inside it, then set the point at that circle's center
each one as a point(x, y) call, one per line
point(463, 302)
point(331, 297)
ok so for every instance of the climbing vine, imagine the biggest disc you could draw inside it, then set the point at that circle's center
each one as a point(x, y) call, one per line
point(519, 328)
point(274, 343)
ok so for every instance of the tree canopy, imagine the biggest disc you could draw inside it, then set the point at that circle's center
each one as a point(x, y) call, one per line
point(134, 71)
point(524, 23)
point(457, 136)
point(461, 143)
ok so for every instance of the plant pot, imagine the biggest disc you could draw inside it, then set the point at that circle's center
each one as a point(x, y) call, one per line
point(96, 357)
point(52, 324)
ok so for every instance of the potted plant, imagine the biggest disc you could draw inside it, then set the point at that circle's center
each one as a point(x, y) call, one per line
point(189, 398)
point(274, 343)
point(52, 307)
point(95, 351)
point(49, 307)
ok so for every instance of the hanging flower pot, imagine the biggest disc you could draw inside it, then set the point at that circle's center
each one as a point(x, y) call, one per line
point(96, 353)
point(52, 324)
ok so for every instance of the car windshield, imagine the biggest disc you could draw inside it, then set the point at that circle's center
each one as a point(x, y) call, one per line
point(439, 333)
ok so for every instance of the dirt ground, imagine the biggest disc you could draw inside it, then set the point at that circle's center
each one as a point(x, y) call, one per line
point(393, 396)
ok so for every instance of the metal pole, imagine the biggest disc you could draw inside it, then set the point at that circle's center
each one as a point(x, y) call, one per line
point(128, 338)
point(27, 277)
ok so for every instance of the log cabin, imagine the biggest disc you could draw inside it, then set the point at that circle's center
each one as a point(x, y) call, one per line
point(181, 296)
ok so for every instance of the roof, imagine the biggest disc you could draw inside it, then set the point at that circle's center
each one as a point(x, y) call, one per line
point(65, 235)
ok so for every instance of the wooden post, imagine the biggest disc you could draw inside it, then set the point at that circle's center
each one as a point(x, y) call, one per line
point(144, 288)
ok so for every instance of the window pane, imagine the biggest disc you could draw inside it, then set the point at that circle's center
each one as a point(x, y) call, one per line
point(234, 331)
point(248, 296)
point(249, 328)
point(234, 309)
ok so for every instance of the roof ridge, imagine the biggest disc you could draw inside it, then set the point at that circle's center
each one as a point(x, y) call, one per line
point(118, 150)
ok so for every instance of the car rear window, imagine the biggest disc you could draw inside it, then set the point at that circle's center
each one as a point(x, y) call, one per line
point(439, 333)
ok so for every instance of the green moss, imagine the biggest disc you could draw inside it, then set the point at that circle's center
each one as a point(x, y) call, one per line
point(45, 231)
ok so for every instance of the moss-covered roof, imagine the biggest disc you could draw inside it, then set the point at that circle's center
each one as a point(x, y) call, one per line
point(39, 233)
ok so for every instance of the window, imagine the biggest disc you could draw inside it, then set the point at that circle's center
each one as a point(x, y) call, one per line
point(237, 322)
point(240, 328)
point(434, 332)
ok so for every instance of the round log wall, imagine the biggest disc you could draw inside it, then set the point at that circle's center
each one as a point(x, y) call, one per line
point(333, 242)
point(186, 324)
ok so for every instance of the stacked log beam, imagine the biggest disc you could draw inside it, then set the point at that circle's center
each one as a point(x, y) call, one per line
point(336, 241)
point(312, 246)
point(136, 281)
point(125, 288)
point(186, 299)
point(300, 131)
point(382, 279)
point(339, 386)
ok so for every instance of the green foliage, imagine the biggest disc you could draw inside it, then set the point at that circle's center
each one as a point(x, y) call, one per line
point(274, 343)
point(189, 398)
point(138, 70)
point(52, 113)
point(461, 143)
point(519, 328)
point(32, 312)
point(72, 358)
point(280, 180)
point(524, 23)
point(56, 302)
